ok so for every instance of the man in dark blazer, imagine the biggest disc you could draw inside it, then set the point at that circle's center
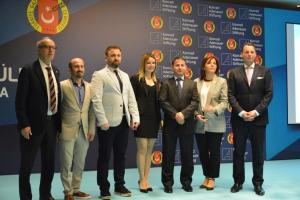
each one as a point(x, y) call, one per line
point(179, 100)
point(38, 114)
point(250, 91)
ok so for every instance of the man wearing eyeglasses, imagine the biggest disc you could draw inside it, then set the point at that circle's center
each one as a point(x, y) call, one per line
point(38, 113)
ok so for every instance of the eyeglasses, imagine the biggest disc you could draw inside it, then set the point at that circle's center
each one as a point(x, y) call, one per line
point(47, 47)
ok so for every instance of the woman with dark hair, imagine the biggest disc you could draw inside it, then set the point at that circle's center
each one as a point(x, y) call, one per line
point(146, 88)
point(210, 118)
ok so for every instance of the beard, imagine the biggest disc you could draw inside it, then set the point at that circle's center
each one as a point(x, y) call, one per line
point(115, 64)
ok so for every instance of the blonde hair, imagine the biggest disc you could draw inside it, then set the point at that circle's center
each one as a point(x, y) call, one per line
point(141, 72)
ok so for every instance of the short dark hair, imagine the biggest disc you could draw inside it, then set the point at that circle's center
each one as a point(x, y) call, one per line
point(248, 44)
point(111, 47)
point(177, 58)
point(205, 60)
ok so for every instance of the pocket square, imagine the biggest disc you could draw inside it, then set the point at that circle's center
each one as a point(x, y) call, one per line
point(260, 77)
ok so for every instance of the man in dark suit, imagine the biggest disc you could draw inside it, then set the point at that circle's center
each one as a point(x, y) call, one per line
point(250, 91)
point(38, 115)
point(179, 100)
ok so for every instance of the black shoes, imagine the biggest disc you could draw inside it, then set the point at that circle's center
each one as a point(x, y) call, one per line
point(259, 190)
point(187, 188)
point(105, 195)
point(168, 189)
point(150, 189)
point(236, 187)
point(122, 191)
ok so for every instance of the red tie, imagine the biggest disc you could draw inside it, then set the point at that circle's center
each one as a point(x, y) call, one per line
point(52, 90)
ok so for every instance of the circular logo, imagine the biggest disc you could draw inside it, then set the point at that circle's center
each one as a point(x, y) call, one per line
point(258, 60)
point(158, 54)
point(209, 26)
point(48, 16)
point(186, 40)
point(186, 8)
point(157, 22)
point(230, 138)
point(231, 44)
point(256, 30)
point(231, 13)
point(188, 73)
point(156, 157)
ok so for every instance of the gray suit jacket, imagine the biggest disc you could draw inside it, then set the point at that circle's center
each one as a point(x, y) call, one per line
point(108, 100)
point(71, 112)
point(216, 97)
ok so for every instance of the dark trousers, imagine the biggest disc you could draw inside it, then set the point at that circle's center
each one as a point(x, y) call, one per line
point(169, 141)
point(256, 134)
point(116, 139)
point(46, 140)
point(209, 151)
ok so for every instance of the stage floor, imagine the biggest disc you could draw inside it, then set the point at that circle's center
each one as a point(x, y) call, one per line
point(282, 180)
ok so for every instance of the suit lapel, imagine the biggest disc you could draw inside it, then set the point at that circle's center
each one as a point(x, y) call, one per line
point(114, 79)
point(254, 75)
point(72, 89)
point(174, 86)
point(40, 75)
point(210, 90)
point(243, 74)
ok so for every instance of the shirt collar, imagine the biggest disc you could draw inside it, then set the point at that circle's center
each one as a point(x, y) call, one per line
point(75, 83)
point(112, 69)
point(44, 65)
point(250, 67)
point(181, 78)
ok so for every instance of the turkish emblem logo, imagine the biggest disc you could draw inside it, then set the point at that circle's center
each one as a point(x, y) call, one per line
point(231, 13)
point(158, 55)
point(186, 40)
point(156, 157)
point(188, 73)
point(230, 138)
point(258, 60)
point(186, 8)
point(231, 44)
point(157, 22)
point(48, 16)
point(256, 30)
point(209, 26)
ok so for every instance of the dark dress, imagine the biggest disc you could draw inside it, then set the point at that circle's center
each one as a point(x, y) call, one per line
point(147, 100)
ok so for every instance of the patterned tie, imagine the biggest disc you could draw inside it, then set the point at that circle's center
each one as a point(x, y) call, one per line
point(52, 90)
point(179, 88)
point(249, 74)
point(119, 80)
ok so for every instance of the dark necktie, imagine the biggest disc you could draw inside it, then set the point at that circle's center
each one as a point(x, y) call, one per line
point(119, 80)
point(52, 90)
point(179, 88)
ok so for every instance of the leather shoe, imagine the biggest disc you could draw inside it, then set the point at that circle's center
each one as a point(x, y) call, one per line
point(168, 189)
point(187, 188)
point(69, 197)
point(259, 190)
point(48, 198)
point(236, 187)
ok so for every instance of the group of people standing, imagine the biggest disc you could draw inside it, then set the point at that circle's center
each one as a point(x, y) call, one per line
point(74, 110)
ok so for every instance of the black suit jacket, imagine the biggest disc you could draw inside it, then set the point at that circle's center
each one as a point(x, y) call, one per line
point(257, 96)
point(171, 103)
point(141, 94)
point(31, 98)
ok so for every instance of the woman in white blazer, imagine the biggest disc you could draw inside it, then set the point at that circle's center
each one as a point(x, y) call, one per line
point(210, 118)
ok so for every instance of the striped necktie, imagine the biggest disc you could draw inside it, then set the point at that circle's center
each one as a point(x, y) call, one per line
point(52, 90)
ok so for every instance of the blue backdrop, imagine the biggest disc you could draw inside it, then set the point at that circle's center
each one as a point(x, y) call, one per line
point(164, 27)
